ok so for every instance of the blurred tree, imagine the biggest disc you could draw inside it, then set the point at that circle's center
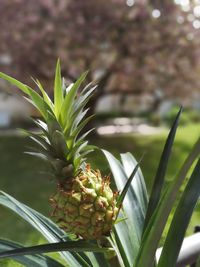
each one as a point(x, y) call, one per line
point(130, 46)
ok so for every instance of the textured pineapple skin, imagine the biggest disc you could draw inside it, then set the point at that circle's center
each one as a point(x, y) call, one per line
point(85, 205)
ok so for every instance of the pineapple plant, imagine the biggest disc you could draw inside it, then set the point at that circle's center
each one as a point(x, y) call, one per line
point(84, 204)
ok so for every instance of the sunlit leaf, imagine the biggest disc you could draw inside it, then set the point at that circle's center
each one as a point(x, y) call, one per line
point(129, 231)
point(45, 95)
point(127, 185)
point(69, 98)
point(23, 87)
point(58, 91)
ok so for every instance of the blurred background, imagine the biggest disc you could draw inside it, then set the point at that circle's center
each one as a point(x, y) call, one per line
point(145, 56)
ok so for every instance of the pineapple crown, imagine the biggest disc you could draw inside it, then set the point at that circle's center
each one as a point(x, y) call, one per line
point(62, 121)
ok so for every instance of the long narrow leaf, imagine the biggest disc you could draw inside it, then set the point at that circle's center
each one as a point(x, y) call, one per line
point(68, 101)
point(39, 102)
point(181, 220)
point(84, 98)
point(158, 220)
point(130, 230)
point(23, 87)
point(28, 260)
point(129, 226)
point(45, 95)
point(77, 118)
point(121, 260)
point(72, 246)
point(36, 98)
point(58, 91)
point(138, 186)
point(127, 185)
point(161, 171)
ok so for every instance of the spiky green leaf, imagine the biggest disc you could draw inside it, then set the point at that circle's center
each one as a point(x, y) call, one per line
point(34, 96)
point(181, 220)
point(158, 220)
point(23, 87)
point(119, 250)
point(161, 171)
point(58, 90)
point(45, 95)
point(81, 126)
point(138, 186)
point(84, 98)
point(129, 231)
point(38, 155)
point(127, 185)
point(28, 260)
point(72, 246)
point(68, 101)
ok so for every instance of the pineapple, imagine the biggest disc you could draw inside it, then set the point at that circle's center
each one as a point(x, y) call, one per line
point(84, 203)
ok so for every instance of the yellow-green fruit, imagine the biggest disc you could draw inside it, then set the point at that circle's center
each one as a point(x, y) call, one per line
point(86, 205)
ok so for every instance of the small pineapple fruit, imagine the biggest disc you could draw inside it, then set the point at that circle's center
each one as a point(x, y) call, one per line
point(84, 203)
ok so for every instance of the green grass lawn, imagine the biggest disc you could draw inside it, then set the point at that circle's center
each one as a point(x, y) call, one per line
point(21, 175)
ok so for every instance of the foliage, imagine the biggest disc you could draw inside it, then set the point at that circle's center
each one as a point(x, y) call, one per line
point(12, 147)
point(130, 245)
point(136, 234)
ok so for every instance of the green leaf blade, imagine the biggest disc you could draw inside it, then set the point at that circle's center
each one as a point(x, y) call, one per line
point(181, 220)
point(72, 246)
point(156, 225)
point(45, 95)
point(13, 81)
point(161, 171)
point(138, 186)
point(28, 260)
point(127, 185)
point(37, 100)
point(69, 99)
point(58, 91)
point(129, 231)
point(120, 249)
